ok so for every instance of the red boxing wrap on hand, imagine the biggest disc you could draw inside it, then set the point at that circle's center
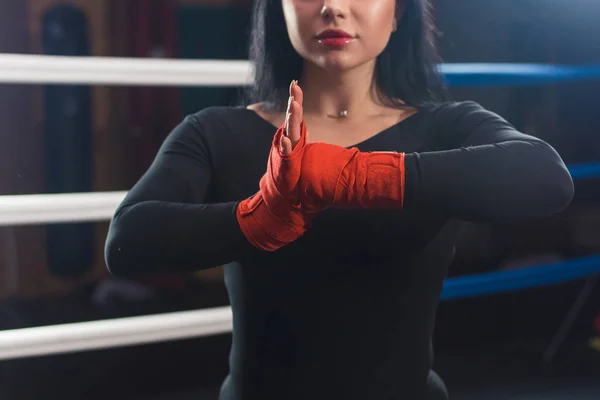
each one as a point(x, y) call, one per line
point(273, 217)
point(341, 177)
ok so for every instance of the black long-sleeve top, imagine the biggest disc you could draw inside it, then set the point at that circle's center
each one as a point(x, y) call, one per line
point(347, 311)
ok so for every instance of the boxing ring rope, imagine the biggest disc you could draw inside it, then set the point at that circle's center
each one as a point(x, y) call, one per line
point(58, 208)
point(30, 209)
point(112, 333)
point(41, 69)
point(96, 335)
point(36, 69)
point(86, 207)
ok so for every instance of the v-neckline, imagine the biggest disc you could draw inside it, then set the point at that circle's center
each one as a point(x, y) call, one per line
point(358, 145)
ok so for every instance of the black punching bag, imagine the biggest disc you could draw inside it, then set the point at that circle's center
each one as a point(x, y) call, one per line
point(68, 141)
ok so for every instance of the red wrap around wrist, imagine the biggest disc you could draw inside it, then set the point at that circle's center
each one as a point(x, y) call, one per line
point(341, 177)
point(273, 217)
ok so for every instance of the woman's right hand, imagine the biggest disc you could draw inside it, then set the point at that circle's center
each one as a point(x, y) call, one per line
point(274, 217)
point(293, 119)
point(287, 150)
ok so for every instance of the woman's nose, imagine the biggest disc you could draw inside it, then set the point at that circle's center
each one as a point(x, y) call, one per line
point(333, 9)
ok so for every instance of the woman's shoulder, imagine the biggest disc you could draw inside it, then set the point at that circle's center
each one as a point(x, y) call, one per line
point(219, 117)
point(220, 130)
point(234, 118)
point(450, 123)
point(455, 110)
point(461, 115)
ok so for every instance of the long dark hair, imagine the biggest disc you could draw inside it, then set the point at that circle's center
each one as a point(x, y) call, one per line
point(406, 72)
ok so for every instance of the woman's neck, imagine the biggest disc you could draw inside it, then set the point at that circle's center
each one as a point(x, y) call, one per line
point(346, 95)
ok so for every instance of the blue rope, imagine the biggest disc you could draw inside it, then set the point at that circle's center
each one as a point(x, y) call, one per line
point(584, 171)
point(540, 275)
point(523, 278)
point(493, 74)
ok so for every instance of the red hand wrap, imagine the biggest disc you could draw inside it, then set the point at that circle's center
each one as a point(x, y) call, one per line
point(340, 177)
point(273, 217)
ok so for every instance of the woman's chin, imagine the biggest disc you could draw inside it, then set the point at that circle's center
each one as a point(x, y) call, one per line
point(336, 61)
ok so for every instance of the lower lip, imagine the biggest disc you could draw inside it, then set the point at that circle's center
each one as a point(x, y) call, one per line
point(336, 42)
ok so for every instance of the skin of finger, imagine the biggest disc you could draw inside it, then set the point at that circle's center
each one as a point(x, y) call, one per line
point(288, 111)
point(297, 93)
point(295, 90)
point(285, 143)
point(295, 121)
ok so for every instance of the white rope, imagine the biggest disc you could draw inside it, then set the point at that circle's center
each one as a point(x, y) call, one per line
point(96, 335)
point(18, 68)
point(58, 208)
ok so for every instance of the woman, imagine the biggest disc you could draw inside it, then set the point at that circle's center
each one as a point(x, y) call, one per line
point(336, 255)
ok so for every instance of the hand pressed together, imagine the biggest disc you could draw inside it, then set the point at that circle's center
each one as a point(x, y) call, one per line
point(273, 217)
point(304, 178)
point(335, 176)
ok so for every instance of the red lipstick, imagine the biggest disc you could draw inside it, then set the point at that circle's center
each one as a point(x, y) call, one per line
point(335, 38)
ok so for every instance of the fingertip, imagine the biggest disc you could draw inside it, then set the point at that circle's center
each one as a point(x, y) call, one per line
point(298, 93)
